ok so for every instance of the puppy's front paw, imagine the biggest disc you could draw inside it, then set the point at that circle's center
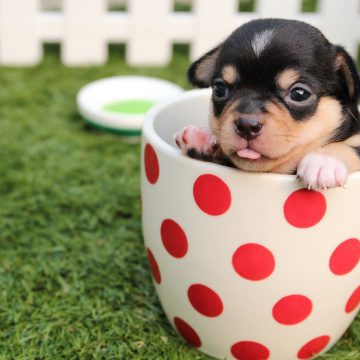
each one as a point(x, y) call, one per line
point(196, 139)
point(319, 171)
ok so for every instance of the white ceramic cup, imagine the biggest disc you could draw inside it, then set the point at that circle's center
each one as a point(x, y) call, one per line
point(246, 266)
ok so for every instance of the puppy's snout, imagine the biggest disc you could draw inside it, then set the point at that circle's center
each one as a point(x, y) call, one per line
point(248, 127)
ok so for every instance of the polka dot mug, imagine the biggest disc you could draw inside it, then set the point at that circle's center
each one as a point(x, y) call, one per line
point(246, 266)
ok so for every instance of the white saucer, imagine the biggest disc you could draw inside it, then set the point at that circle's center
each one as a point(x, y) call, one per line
point(119, 103)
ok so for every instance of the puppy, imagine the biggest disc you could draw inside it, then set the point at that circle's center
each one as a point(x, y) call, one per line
point(284, 100)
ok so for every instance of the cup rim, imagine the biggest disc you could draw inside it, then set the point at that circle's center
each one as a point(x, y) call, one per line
point(161, 145)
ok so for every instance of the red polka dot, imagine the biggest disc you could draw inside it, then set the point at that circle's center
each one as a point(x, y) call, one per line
point(174, 238)
point(354, 301)
point(345, 257)
point(250, 350)
point(206, 301)
point(212, 195)
point(292, 309)
point(187, 332)
point(304, 208)
point(253, 262)
point(154, 266)
point(313, 347)
point(152, 169)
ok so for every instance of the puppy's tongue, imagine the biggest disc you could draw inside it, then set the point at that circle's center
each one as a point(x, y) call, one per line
point(248, 154)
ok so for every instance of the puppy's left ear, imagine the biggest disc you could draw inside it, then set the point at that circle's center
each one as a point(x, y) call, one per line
point(347, 74)
point(202, 70)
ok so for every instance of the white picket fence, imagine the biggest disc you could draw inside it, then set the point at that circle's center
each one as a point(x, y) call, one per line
point(85, 28)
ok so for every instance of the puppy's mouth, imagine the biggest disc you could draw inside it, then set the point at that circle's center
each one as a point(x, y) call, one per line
point(248, 153)
point(243, 149)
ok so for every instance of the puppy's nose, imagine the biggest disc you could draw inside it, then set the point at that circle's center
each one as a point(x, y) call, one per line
point(248, 128)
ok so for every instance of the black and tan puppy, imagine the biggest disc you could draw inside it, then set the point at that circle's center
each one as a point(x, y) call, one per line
point(284, 100)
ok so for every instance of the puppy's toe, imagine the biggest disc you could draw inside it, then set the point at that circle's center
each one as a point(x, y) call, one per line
point(341, 174)
point(179, 140)
point(319, 171)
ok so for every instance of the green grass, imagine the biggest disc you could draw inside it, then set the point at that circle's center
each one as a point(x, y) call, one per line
point(309, 5)
point(250, 5)
point(74, 280)
point(118, 7)
point(181, 7)
point(246, 5)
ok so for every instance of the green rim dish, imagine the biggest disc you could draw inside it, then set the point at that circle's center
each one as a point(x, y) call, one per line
point(124, 132)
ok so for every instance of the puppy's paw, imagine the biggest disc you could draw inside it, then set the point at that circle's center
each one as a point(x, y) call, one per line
point(194, 139)
point(320, 171)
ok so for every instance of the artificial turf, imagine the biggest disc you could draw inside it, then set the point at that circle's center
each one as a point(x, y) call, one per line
point(74, 279)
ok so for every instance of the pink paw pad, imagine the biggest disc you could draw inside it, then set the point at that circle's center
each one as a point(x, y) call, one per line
point(319, 171)
point(195, 138)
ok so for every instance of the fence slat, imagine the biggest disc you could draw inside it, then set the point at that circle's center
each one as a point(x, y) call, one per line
point(181, 27)
point(117, 27)
point(19, 44)
point(287, 9)
point(149, 42)
point(51, 27)
point(84, 42)
point(213, 22)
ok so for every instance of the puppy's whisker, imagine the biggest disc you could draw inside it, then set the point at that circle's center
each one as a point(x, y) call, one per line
point(349, 111)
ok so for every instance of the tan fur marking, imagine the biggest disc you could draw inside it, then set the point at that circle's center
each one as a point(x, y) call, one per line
point(341, 65)
point(343, 152)
point(339, 62)
point(353, 141)
point(326, 119)
point(217, 123)
point(229, 74)
point(206, 68)
point(287, 78)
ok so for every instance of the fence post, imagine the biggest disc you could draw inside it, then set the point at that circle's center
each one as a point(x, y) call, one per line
point(213, 22)
point(19, 35)
point(149, 42)
point(84, 42)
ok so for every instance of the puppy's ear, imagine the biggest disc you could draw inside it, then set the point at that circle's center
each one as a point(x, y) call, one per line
point(201, 71)
point(347, 74)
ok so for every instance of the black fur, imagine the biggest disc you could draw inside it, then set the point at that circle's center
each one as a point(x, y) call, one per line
point(219, 158)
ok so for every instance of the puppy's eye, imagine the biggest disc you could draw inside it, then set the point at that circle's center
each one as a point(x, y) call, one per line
point(220, 90)
point(300, 93)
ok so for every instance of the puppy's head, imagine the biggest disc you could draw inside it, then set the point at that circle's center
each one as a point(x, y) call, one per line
point(279, 89)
